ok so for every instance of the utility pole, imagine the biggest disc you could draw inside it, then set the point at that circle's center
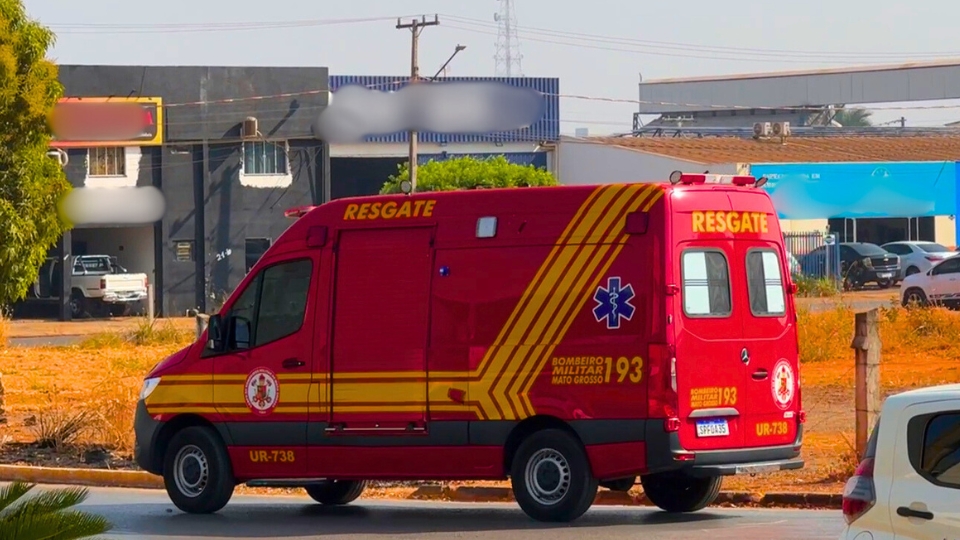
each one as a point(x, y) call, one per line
point(415, 26)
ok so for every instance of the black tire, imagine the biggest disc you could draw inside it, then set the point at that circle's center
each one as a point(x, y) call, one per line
point(198, 446)
point(78, 304)
point(885, 283)
point(554, 461)
point(336, 492)
point(914, 296)
point(913, 270)
point(679, 493)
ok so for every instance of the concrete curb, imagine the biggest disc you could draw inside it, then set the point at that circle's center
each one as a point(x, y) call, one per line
point(476, 494)
point(81, 477)
point(619, 498)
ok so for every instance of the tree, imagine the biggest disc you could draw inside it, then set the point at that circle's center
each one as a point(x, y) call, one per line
point(855, 117)
point(46, 515)
point(468, 172)
point(32, 185)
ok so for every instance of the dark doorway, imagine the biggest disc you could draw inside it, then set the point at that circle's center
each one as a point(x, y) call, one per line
point(882, 230)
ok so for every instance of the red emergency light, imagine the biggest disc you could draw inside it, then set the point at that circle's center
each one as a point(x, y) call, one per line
point(678, 177)
point(298, 212)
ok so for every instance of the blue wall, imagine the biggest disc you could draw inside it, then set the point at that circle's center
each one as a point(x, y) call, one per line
point(861, 190)
point(547, 129)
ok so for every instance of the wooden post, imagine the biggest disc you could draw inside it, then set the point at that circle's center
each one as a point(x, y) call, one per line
point(866, 343)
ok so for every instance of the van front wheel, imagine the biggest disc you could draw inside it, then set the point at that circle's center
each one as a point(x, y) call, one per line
point(551, 477)
point(336, 492)
point(677, 493)
point(197, 472)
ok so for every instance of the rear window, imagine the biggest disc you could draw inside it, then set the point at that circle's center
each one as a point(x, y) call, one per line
point(706, 283)
point(765, 283)
point(932, 248)
point(870, 250)
point(941, 450)
point(871, 450)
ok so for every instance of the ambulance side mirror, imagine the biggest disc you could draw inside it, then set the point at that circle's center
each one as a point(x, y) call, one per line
point(215, 333)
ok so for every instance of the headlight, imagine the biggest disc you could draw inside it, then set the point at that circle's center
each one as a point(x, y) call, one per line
point(867, 262)
point(149, 385)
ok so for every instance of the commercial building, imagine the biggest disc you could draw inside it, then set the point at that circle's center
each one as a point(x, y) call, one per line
point(871, 188)
point(230, 148)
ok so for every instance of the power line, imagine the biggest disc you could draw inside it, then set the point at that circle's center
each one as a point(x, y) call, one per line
point(778, 53)
point(176, 28)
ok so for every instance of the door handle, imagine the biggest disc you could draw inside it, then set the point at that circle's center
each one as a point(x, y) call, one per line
point(907, 512)
point(291, 363)
point(760, 374)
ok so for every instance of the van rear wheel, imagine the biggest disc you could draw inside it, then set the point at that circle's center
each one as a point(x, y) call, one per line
point(679, 493)
point(551, 477)
point(336, 492)
point(196, 471)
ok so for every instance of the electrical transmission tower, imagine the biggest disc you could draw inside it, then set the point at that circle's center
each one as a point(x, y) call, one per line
point(508, 42)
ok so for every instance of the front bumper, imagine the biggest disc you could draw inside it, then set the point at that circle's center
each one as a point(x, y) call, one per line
point(146, 429)
point(664, 454)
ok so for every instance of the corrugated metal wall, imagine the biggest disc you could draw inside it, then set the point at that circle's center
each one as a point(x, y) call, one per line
point(547, 129)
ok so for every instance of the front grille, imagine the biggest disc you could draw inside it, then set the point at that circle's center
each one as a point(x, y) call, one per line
point(881, 263)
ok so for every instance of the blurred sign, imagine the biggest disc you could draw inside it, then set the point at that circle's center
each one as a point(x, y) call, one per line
point(92, 121)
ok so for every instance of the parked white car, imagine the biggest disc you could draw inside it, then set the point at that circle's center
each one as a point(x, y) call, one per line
point(918, 257)
point(907, 487)
point(938, 285)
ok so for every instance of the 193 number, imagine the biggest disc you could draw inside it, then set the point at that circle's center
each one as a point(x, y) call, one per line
point(631, 368)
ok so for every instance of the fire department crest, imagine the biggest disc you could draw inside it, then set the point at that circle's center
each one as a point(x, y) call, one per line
point(784, 384)
point(261, 391)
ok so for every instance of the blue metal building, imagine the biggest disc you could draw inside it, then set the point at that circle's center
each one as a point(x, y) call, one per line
point(362, 169)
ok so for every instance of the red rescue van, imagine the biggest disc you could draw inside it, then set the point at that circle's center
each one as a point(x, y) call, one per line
point(562, 337)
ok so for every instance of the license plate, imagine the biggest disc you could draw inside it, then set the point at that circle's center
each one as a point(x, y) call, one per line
point(713, 428)
point(885, 275)
point(757, 469)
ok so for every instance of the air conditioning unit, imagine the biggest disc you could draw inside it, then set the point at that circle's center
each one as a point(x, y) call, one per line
point(250, 128)
point(781, 129)
point(762, 129)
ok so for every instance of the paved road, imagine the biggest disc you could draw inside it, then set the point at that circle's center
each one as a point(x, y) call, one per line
point(148, 514)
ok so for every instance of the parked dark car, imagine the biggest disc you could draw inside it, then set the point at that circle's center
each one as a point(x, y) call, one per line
point(860, 263)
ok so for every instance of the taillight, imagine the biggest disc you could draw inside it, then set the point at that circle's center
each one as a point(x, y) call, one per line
point(662, 398)
point(802, 417)
point(859, 494)
point(146, 282)
point(103, 283)
point(933, 258)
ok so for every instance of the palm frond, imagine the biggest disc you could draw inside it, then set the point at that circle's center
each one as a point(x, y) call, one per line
point(12, 493)
point(48, 502)
point(46, 516)
point(67, 525)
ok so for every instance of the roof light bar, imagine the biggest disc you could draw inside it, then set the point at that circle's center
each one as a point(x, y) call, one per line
point(298, 212)
point(678, 177)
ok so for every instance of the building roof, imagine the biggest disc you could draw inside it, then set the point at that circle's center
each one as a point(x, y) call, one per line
point(950, 62)
point(796, 149)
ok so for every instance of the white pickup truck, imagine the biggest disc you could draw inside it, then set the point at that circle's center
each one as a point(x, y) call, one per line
point(99, 286)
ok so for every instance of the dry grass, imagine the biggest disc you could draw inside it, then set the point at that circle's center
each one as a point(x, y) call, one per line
point(4, 328)
point(86, 394)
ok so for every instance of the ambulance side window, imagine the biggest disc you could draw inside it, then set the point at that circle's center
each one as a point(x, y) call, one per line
point(706, 283)
point(765, 283)
point(283, 300)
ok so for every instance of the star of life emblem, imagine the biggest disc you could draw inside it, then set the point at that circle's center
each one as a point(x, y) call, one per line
point(613, 303)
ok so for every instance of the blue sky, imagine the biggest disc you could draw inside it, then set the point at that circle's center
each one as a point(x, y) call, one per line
point(597, 48)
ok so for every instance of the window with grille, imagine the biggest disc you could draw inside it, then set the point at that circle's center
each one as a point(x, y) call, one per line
point(110, 161)
point(264, 158)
